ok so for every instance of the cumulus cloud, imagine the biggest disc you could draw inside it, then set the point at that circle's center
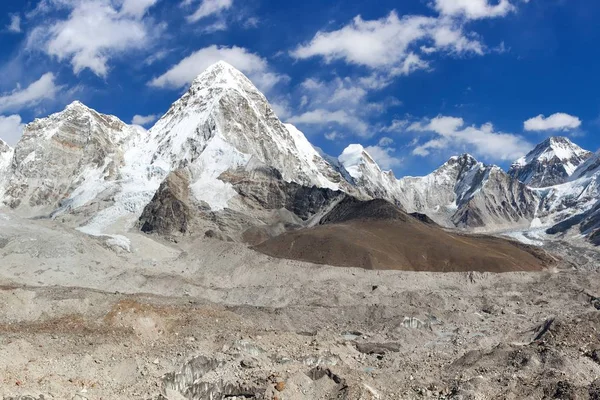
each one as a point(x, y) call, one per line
point(451, 135)
point(339, 117)
point(208, 8)
point(474, 9)
point(253, 65)
point(44, 88)
point(11, 129)
point(343, 102)
point(555, 122)
point(94, 32)
point(15, 24)
point(390, 43)
point(144, 119)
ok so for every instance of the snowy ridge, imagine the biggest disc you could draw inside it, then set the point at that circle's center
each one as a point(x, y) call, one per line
point(579, 194)
point(103, 173)
point(550, 163)
point(6, 155)
point(221, 124)
point(223, 103)
point(368, 176)
point(64, 159)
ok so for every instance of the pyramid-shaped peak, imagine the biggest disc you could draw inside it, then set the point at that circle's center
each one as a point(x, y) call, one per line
point(221, 73)
point(77, 105)
point(463, 160)
point(555, 146)
point(557, 140)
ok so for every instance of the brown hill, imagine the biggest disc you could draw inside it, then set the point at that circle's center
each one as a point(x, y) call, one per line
point(378, 235)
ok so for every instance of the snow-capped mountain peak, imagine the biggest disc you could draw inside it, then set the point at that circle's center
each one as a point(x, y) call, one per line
point(356, 160)
point(550, 163)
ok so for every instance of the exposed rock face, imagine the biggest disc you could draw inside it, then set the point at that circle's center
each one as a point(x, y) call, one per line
point(366, 174)
point(576, 196)
point(498, 201)
point(169, 211)
point(63, 156)
point(550, 163)
point(353, 209)
point(468, 194)
point(263, 187)
point(588, 224)
point(6, 153)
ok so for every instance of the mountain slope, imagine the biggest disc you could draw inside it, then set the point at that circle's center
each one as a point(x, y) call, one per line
point(468, 194)
point(222, 123)
point(368, 176)
point(65, 160)
point(6, 154)
point(550, 163)
point(575, 200)
point(377, 235)
point(588, 224)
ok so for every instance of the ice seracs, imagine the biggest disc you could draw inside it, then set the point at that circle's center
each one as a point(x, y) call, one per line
point(550, 163)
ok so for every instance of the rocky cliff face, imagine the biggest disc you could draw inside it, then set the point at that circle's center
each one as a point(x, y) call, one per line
point(64, 159)
point(550, 163)
point(222, 123)
point(497, 202)
point(576, 196)
point(371, 180)
point(586, 223)
point(468, 194)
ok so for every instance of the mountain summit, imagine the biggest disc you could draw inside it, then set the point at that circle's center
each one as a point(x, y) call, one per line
point(550, 163)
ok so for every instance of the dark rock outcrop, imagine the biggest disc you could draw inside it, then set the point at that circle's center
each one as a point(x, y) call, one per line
point(169, 211)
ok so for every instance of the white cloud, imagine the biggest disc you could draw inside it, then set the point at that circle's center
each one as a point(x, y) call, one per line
point(555, 122)
point(451, 135)
point(94, 32)
point(383, 154)
point(397, 125)
point(15, 24)
point(390, 43)
point(11, 129)
point(254, 66)
point(385, 141)
point(137, 8)
point(339, 117)
point(42, 89)
point(474, 9)
point(144, 119)
point(333, 135)
point(208, 8)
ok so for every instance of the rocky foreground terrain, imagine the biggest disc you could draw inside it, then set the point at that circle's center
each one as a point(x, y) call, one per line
point(202, 318)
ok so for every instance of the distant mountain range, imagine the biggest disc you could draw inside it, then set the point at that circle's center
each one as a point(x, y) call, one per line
point(221, 163)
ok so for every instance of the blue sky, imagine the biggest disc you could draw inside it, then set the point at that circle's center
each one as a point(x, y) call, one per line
point(414, 81)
